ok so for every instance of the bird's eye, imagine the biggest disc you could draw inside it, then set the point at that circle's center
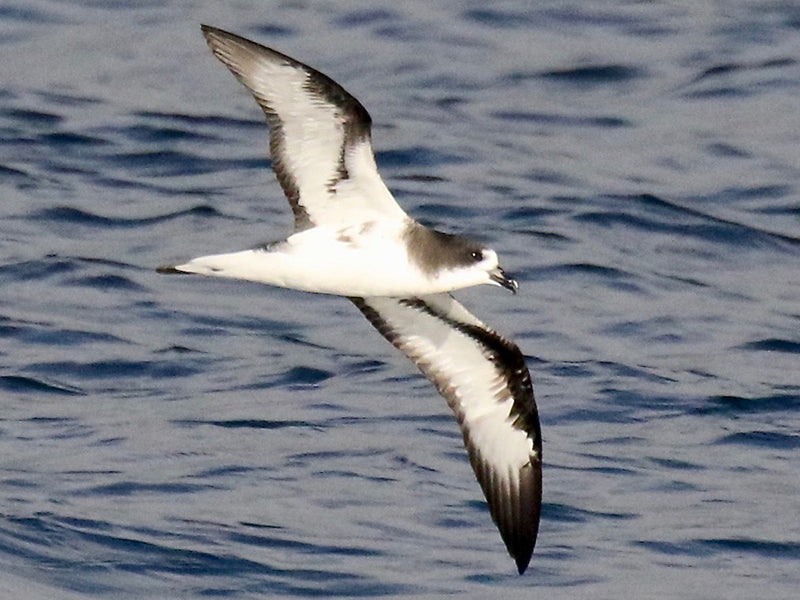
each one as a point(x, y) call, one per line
point(477, 255)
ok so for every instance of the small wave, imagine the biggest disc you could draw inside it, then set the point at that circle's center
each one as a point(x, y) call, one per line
point(500, 18)
point(76, 216)
point(37, 269)
point(370, 16)
point(135, 488)
point(106, 282)
point(13, 173)
point(245, 423)
point(759, 548)
point(417, 156)
point(570, 514)
point(728, 68)
point(265, 541)
point(104, 559)
point(687, 548)
point(773, 345)
point(592, 75)
point(32, 118)
point(23, 384)
point(60, 139)
point(770, 191)
point(725, 150)
point(158, 134)
point(171, 163)
point(271, 29)
point(764, 439)
point(671, 217)
point(202, 120)
point(740, 79)
point(611, 277)
point(101, 558)
point(23, 15)
point(563, 120)
point(735, 405)
point(295, 377)
point(115, 368)
point(64, 99)
point(45, 334)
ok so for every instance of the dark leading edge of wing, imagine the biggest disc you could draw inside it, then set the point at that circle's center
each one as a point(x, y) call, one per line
point(485, 381)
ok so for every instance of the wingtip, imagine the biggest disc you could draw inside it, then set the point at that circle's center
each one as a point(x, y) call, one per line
point(517, 516)
point(522, 552)
point(523, 560)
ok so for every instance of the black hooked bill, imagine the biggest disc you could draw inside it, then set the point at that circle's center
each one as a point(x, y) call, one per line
point(500, 278)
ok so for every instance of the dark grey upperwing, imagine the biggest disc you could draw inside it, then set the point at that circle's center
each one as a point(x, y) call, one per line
point(486, 383)
point(320, 141)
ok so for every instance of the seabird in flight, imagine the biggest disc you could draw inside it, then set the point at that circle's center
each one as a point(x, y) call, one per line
point(352, 239)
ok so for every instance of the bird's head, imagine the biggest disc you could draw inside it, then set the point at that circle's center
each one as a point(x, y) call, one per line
point(455, 261)
point(484, 262)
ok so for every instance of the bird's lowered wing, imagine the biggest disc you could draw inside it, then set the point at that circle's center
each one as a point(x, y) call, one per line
point(486, 383)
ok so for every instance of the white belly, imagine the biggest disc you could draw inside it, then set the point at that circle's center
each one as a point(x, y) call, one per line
point(367, 262)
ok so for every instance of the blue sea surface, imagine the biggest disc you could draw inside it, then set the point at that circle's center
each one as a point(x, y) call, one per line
point(637, 167)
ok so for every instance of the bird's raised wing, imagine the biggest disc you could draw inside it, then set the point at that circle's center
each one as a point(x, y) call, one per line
point(320, 139)
point(485, 381)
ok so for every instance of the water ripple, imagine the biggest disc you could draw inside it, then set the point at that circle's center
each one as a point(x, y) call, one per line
point(75, 216)
point(95, 545)
point(22, 384)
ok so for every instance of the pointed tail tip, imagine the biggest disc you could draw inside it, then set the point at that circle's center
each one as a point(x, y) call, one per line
point(169, 270)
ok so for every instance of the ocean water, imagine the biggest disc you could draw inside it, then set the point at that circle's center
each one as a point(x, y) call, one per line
point(637, 166)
